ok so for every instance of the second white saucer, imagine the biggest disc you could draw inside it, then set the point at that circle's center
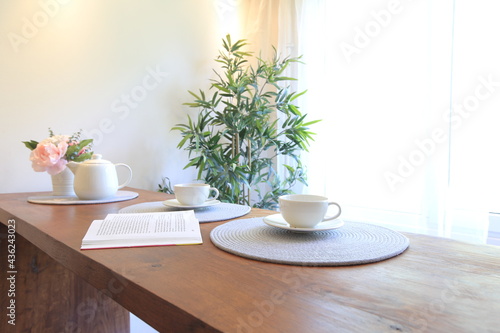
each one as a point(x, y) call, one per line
point(276, 220)
point(177, 204)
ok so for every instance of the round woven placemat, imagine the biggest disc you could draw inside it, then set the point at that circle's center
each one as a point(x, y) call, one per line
point(353, 244)
point(220, 212)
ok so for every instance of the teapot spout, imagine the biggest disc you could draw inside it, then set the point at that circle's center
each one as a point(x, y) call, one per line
point(72, 166)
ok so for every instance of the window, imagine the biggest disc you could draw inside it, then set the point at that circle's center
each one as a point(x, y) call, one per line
point(409, 94)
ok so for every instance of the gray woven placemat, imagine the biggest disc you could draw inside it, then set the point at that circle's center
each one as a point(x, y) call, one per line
point(353, 244)
point(220, 212)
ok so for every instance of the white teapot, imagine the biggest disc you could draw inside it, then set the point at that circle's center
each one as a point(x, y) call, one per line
point(96, 179)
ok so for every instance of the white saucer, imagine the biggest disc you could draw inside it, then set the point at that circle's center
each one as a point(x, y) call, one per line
point(278, 221)
point(177, 204)
point(74, 200)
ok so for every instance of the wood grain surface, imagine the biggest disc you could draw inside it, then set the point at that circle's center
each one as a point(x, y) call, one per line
point(50, 298)
point(437, 285)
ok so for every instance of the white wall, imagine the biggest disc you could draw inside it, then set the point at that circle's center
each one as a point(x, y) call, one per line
point(72, 65)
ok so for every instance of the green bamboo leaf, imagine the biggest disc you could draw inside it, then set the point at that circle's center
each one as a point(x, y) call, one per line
point(224, 43)
point(300, 120)
point(311, 122)
point(243, 54)
point(294, 95)
point(201, 167)
point(293, 109)
point(238, 45)
point(290, 169)
point(193, 105)
point(284, 78)
point(179, 127)
point(194, 95)
point(228, 38)
point(193, 162)
point(183, 141)
point(218, 86)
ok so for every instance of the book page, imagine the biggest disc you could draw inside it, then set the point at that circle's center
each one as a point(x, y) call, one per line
point(147, 223)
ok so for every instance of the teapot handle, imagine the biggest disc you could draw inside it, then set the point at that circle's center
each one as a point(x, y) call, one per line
point(129, 177)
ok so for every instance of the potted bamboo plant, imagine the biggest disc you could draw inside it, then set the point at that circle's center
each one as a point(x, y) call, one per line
point(246, 124)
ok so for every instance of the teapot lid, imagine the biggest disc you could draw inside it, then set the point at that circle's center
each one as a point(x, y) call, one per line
point(96, 159)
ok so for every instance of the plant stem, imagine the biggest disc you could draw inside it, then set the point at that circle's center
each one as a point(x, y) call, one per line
point(249, 161)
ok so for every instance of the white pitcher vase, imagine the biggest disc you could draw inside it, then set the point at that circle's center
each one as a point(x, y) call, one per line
point(62, 183)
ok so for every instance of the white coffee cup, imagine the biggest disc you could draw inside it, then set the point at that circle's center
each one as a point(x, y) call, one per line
point(306, 210)
point(194, 194)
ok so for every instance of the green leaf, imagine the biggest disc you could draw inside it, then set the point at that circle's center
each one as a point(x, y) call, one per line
point(238, 45)
point(293, 109)
point(218, 86)
point(179, 127)
point(85, 143)
point(183, 141)
point(284, 78)
point(290, 169)
point(194, 95)
point(193, 105)
point(83, 157)
point(311, 122)
point(30, 144)
point(294, 96)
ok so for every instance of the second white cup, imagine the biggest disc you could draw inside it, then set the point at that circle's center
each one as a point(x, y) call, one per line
point(194, 194)
point(306, 210)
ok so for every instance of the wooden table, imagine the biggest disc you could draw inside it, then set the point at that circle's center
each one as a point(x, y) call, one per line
point(437, 285)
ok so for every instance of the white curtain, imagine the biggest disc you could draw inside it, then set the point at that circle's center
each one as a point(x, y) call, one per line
point(409, 95)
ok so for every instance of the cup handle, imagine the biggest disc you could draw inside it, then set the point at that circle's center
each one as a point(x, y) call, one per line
point(216, 195)
point(335, 216)
point(129, 177)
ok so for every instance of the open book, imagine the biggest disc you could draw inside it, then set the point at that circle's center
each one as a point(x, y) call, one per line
point(143, 229)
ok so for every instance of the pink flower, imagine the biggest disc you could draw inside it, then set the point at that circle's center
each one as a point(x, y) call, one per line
point(49, 155)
